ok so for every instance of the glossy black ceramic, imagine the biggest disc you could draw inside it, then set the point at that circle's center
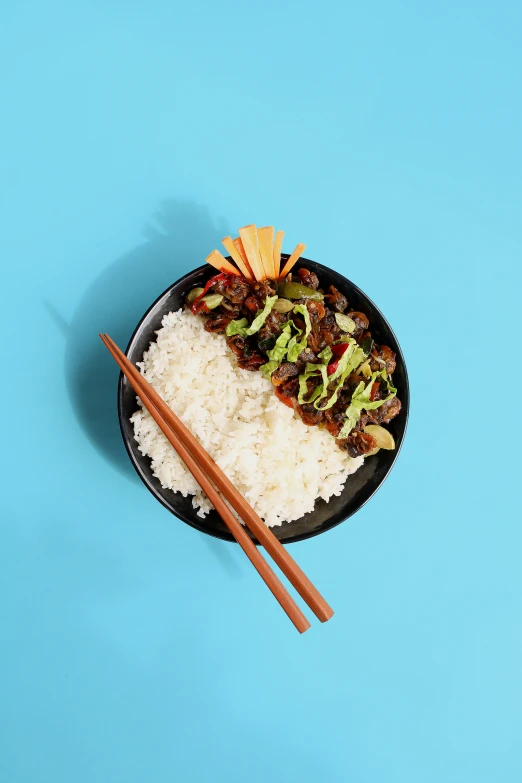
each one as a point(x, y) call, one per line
point(359, 487)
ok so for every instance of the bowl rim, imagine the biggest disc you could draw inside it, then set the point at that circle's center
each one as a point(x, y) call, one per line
point(194, 522)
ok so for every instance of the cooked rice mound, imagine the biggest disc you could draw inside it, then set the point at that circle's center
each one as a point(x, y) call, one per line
point(280, 465)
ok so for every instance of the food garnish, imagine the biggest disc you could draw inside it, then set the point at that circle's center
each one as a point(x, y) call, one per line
point(317, 352)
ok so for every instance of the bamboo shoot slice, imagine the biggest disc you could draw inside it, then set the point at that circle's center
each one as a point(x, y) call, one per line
point(265, 238)
point(220, 262)
point(293, 259)
point(229, 245)
point(278, 244)
point(248, 236)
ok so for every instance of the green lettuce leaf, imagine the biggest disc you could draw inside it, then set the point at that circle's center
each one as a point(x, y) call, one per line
point(350, 359)
point(352, 417)
point(278, 352)
point(361, 401)
point(240, 327)
point(268, 368)
point(295, 346)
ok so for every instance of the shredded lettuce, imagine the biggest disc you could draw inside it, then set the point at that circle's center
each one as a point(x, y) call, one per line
point(295, 346)
point(278, 352)
point(267, 369)
point(352, 417)
point(361, 401)
point(350, 359)
point(240, 327)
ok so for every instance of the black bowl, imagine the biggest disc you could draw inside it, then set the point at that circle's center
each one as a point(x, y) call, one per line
point(359, 487)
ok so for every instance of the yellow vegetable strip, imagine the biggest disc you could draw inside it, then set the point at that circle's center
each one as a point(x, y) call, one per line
point(248, 236)
point(220, 262)
point(265, 238)
point(278, 244)
point(292, 260)
point(229, 245)
point(241, 250)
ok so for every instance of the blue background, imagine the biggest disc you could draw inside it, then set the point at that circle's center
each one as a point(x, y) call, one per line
point(387, 136)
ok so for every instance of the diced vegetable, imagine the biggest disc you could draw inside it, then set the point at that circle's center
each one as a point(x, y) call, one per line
point(299, 291)
point(345, 323)
point(383, 437)
point(212, 300)
point(283, 306)
point(194, 294)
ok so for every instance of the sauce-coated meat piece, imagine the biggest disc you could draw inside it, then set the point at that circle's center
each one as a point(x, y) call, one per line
point(238, 290)
point(290, 388)
point(309, 279)
point(387, 411)
point(336, 300)
point(307, 355)
point(316, 310)
point(252, 362)
point(310, 415)
point(217, 323)
point(361, 322)
point(253, 304)
point(284, 372)
point(382, 357)
point(236, 343)
point(357, 444)
point(334, 419)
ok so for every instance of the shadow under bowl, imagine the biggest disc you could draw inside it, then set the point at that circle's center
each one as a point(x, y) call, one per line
point(359, 487)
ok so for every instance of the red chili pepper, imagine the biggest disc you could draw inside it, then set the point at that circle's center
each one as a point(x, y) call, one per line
point(374, 391)
point(222, 276)
point(339, 349)
point(332, 367)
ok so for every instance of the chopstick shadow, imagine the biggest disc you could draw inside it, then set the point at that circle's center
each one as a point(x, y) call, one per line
point(229, 557)
point(178, 239)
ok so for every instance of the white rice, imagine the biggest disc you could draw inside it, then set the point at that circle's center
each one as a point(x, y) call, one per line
point(280, 465)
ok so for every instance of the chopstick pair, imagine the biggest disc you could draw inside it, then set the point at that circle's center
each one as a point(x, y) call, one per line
point(211, 478)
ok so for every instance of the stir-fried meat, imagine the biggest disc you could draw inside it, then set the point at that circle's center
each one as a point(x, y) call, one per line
point(284, 372)
point(217, 323)
point(362, 337)
point(362, 421)
point(309, 414)
point(233, 310)
point(263, 289)
point(252, 362)
point(236, 343)
point(316, 341)
point(387, 411)
point(316, 310)
point(382, 358)
point(307, 355)
point(336, 300)
point(357, 444)
point(290, 388)
point(238, 290)
point(329, 329)
point(361, 321)
point(334, 419)
point(220, 286)
point(253, 304)
point(308, 278)
point(245, 299)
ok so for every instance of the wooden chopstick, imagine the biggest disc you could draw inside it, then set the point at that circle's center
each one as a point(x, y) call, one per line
point(267, 574)
point(308, 592)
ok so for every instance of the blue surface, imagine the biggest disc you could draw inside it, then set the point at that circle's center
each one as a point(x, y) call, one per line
point(387, 137)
